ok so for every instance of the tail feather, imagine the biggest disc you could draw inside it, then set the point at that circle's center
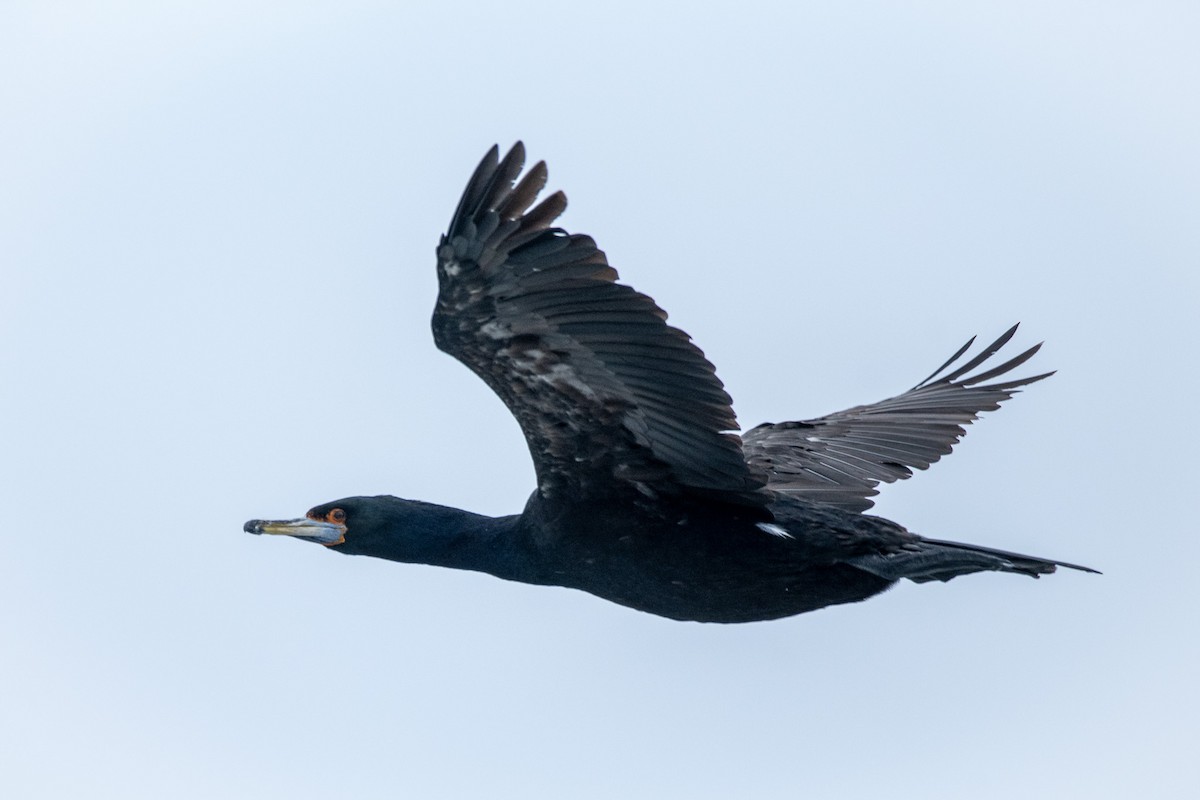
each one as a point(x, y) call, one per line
point(936, 560)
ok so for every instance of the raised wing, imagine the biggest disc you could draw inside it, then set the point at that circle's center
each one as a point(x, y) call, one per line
point(840, 459)
point(609, 396)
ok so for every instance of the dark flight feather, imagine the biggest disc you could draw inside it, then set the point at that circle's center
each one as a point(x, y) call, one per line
point(577, 358)
point(840, 459)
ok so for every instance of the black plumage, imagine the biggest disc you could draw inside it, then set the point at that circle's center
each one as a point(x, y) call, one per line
point(646, 495)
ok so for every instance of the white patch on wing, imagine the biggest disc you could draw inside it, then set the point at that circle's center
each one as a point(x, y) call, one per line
point(494, 330)
point(563, 375)
point(774, 530)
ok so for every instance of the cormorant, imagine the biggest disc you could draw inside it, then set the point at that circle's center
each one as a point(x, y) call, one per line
point(645, 494)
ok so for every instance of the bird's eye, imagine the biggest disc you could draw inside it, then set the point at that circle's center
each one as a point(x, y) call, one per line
point(336, 515)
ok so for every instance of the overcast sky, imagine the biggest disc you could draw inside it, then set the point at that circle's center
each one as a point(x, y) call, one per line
point(217, 225)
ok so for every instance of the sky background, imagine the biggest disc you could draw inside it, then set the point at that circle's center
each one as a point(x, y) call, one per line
point(217, 225)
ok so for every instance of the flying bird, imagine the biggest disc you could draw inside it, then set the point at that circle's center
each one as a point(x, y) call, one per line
point(646, 496)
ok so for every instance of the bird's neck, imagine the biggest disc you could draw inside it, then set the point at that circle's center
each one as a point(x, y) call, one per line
point(450, 537)
point(484, 544)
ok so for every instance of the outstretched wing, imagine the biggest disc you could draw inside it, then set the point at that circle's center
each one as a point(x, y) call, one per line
point(609, 396)
point(840, 459)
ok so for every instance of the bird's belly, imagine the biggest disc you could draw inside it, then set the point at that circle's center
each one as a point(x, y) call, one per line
point(694, 583)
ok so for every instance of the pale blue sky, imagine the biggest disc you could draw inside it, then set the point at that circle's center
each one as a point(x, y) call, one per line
point(217, 229)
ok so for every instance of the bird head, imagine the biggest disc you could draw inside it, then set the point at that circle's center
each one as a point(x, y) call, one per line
point(382, 526)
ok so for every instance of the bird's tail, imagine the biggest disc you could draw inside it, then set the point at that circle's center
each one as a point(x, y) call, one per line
point(936, 560)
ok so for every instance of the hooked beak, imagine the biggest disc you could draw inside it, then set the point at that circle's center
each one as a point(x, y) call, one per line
point(326, 533)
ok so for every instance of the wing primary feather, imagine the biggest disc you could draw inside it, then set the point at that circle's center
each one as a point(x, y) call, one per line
point(1007, 366)
point(984, 355)
point(544, 213)
point(502, 180)
point(949, 361)
point(474, 191)
point(525, 193)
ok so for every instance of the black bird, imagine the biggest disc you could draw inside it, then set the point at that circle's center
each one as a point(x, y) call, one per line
point(646, 496)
